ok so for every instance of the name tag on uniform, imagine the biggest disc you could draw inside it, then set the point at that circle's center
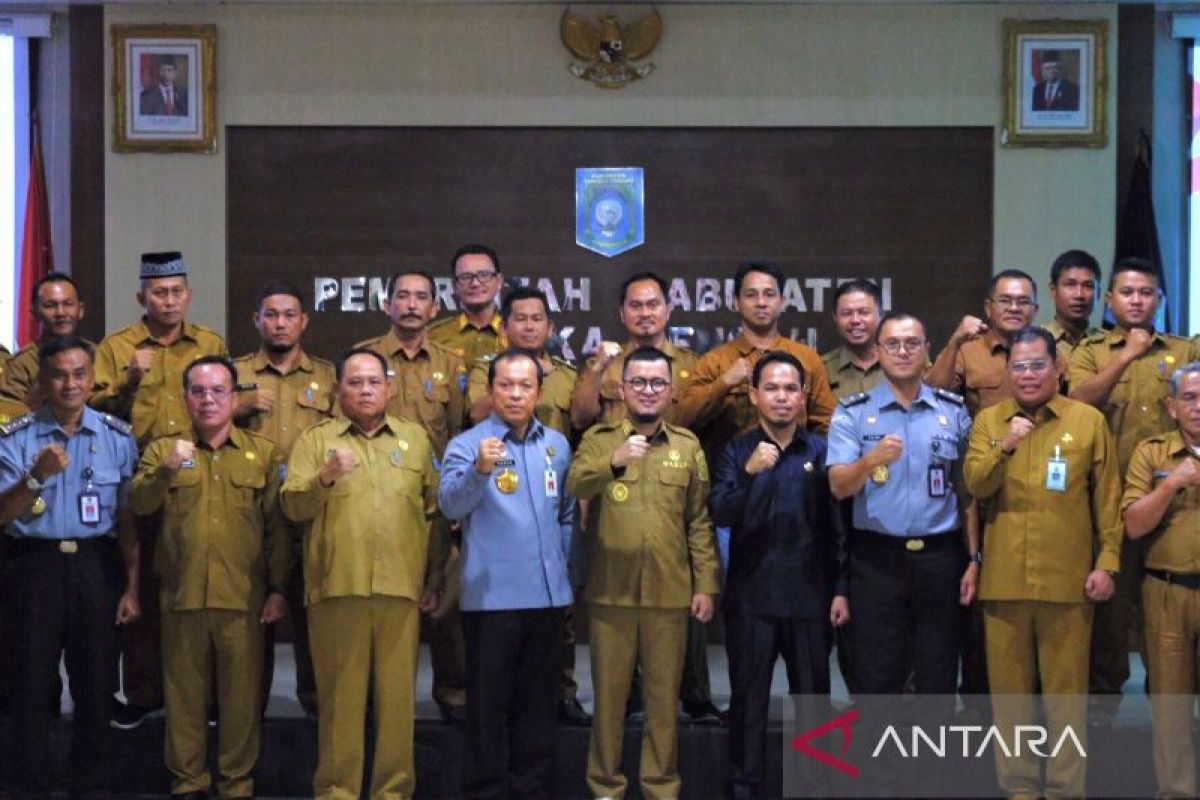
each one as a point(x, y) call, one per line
point(551, 483)
point(1056, 472)
point(937, 480)
point(89, 508)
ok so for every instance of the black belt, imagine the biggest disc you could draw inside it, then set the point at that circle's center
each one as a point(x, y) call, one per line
point(25, 544)
point(1186, 580)
point(911, 544)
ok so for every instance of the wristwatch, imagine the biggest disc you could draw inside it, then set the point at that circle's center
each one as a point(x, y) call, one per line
point(32, 483)
point(977, 556)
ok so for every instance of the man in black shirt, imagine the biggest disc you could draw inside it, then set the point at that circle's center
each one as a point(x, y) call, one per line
point(788, 578)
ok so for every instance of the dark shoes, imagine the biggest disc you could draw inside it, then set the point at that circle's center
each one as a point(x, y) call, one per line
point(190, 796)
point(571, 712)
point(126, 716)
point(455, 715)
point(705, 714)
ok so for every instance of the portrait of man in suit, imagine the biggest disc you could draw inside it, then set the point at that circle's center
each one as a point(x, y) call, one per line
point(164, 98)
point(1055, 91)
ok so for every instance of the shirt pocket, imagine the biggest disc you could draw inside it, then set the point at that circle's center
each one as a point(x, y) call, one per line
point(431, 404)
point(672, 489)
point(107, 484)
point(185, 490)
point(944, 448)
point(247, 481)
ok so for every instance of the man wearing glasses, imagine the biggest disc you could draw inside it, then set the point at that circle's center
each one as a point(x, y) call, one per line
point(897, 450)
point(1126, 372)
point(477, 330)
point(651, 564)
point(1046, 468)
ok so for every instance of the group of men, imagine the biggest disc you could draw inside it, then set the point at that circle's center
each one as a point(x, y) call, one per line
point(456, 474)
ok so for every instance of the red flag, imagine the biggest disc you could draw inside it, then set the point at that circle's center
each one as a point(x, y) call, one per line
point(37, 256)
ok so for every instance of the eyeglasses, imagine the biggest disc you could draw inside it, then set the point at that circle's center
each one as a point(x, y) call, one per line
point(655, 385)
point(217, 392)
point(1023, 303)
point(894, 346)
point(1021, 367)
point(467, 278)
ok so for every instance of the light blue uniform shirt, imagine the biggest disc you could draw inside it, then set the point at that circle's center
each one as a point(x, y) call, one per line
point(515, 546)
point(105, 450)
point(935, 430)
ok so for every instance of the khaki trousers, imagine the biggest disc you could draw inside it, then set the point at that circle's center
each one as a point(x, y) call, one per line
point(655, 639)
point(361, 643)
point(1172, 614)
point(1027, 641)
point(192, 643)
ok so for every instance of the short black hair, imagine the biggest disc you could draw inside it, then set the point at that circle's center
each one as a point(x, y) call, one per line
point(521, 293)
point(765, 267)
point(645, 353)
point(473, 250)
point(509, 355)
point(1074, 259)
point(280, 287)
point(859, 285)
point(1034, 333)
point(638, 277)
point(423, 273)
point(775, 357)
point(1133, 264)
point(223, 361)
point(1012, 274)
point(52, 277)
point(339, 364)
point(896, 315)
point(61, 344)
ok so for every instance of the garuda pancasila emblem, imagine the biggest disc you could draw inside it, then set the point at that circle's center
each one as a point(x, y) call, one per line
point(608, 49)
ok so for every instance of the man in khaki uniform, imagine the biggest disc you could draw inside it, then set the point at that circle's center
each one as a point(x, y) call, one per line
point(645, 312)
point(853, 366)
point(139, 378)
point(223, 560)
point(1046, 468)
point(1162, 502)
point(1074, 282)
point(477, 330)
point(282, 391)
point(1126, 372)
point(58, 311)
point(651, 559)
point(527, 326)
point(364, 486)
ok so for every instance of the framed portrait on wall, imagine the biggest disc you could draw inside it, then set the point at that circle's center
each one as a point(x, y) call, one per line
point(1054, 83)
point(164, 88)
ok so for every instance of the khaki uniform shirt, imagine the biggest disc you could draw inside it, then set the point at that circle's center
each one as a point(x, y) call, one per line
point(1175, 543)
point(466, 341)
point(429, 389)
point(1041, 544)
point(155, 407)
point(553, 410)
point(649, 537)
point(1136, 408)
point(368, 533)
point(846, 377)
point(612, 407)
point(981, 371)
point(19, 381)
point(8, 409)
point(223, 540)
point(1065, 342)
point(303, 397)
point(718, 414)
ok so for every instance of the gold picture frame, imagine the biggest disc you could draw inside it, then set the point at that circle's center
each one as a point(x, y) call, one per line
point(164, 88)
point(1055, 82)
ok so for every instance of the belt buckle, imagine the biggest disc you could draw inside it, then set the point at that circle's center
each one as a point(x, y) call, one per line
point(914, 545)
point(68, 546)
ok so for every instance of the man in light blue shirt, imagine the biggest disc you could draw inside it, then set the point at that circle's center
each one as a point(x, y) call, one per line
point(505, 480)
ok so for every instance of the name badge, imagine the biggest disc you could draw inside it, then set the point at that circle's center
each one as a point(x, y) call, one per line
point(89, 508)
point(1056, 472)
point(937, 480)
point(551, 483)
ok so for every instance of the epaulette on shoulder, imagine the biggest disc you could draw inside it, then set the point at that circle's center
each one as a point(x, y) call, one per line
point(1097, 338)
point(851, 400)
point(441, 323)
point(945, 394)
point(562, 363)
point(118, 424)
point(683, 432)
point(11, 427)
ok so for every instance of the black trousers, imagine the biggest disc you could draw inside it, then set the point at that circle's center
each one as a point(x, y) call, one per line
point(513, 691)
point(753, 642)
point(58, 602)
point(898, 596)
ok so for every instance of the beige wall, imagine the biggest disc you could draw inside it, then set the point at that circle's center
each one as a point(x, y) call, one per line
point(504, 65)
